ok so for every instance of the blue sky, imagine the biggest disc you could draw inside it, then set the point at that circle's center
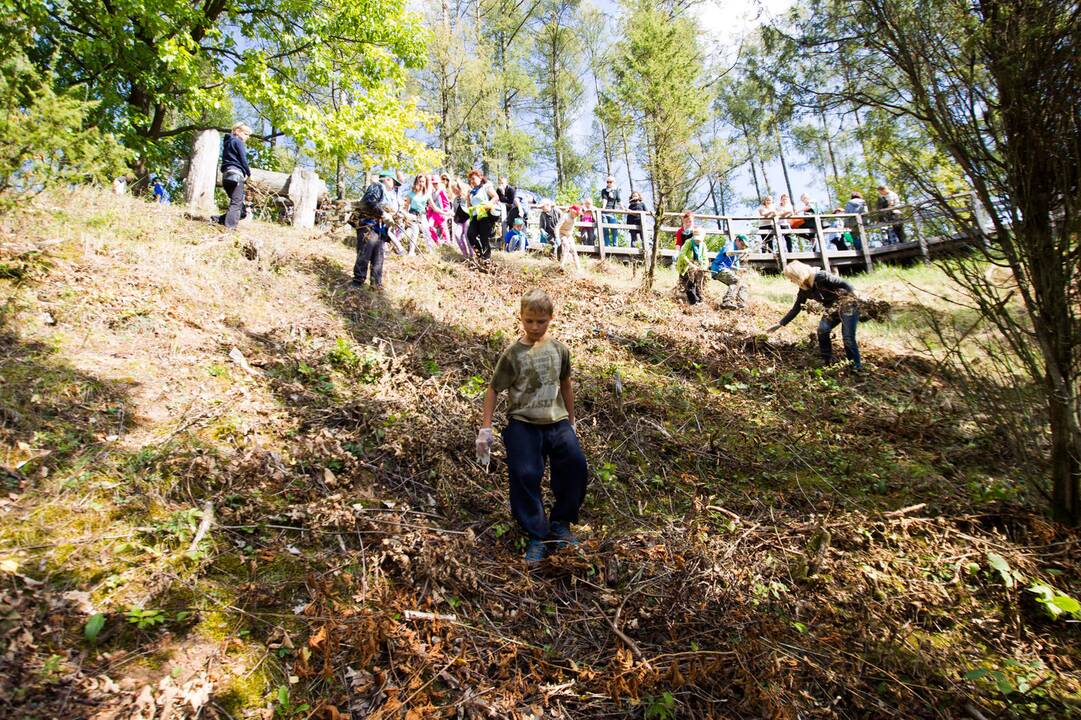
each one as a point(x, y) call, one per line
point(725, 24)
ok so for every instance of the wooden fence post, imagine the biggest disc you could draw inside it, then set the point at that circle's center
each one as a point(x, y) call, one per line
point(925, 252)
point(864, 243)
point(599, 234)
point(782, 246)
point(642, 239)
point(821, 243)
point(203, 173)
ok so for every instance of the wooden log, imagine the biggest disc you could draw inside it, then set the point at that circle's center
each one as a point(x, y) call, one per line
point(305, 189)
point(267, 182)
point(202, 171)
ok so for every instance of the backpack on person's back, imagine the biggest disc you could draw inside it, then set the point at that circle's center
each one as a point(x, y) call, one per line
point(370, 204)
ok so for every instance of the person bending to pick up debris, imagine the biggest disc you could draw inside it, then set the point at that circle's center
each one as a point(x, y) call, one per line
point(725, 269)
point(842, 308)
point(536, 373)
point(691, 264)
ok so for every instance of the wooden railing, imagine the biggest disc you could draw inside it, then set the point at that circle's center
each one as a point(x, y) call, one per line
point(932, 229)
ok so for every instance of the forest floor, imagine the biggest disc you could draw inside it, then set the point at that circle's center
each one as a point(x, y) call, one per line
point(238, 488)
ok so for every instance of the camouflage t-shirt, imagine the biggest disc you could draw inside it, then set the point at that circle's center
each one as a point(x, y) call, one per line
point(531, 375)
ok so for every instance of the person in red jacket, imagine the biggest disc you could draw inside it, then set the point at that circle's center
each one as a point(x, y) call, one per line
point(686, 228)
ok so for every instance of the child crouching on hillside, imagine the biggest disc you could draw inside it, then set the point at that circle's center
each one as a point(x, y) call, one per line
point(536, 373)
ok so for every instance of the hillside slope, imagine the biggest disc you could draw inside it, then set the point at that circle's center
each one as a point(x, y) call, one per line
point(762, 538)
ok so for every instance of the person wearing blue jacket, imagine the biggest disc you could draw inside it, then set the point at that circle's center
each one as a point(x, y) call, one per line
point(725, 269)
point(234, 173)
point(515, 239)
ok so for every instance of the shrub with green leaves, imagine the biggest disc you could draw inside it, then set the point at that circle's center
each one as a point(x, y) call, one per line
point(44, 137)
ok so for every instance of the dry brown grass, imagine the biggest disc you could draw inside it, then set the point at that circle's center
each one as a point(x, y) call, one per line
point(340, 468)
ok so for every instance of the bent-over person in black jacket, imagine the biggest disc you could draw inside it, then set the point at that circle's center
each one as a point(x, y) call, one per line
point(836, 295)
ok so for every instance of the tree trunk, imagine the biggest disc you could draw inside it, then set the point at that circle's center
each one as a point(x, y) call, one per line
point(713, 196)
point(203, 173)
point(660, 203)
point(754, 173)
point(627, 159)
point(600, 122)
point(869, 165)
point(557, 126)
point(784, 165)
point(1065, 460)
point(829, 150)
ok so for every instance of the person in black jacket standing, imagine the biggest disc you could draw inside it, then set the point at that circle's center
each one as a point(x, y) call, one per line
point(837, 296)
point(234, 173)
point(507, 196)
point(638, 206)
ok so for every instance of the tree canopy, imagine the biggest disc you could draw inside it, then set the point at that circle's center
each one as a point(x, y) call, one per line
point(328, 74)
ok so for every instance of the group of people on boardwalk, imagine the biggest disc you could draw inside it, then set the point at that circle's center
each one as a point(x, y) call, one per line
point(840, 234)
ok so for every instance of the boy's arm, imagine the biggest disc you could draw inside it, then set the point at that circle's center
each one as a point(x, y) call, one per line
point(567, 389)
point(489, 408)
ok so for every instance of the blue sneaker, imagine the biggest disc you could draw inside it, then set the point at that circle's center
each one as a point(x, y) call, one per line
point(562, 535)
point(535, 551)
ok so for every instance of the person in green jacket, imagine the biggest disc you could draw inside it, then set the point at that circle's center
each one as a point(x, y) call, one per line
point(691, 265)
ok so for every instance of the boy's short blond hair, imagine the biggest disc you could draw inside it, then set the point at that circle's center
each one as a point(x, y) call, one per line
point(538, 301)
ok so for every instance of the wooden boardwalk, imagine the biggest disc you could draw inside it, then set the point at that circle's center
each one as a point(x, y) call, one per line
point(933, 234)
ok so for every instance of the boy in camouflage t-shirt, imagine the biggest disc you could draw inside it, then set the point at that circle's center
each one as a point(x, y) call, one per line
point(536, 373)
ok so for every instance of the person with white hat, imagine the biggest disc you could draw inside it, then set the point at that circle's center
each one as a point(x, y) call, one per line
point(838, 297)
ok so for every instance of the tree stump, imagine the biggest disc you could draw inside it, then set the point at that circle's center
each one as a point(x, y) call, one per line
point(305, 189)
point(203, 173)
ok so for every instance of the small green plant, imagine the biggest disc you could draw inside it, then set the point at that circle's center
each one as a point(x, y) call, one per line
point(365, 368)
point(218, 370)
point(50, 669)
point(1013, 677)
point(473, 387)
point(606, 473)
point(431, 367)
point(1056, 604)
point(145, 619)
point(343, 355)
point(661, 707)
point(1010, 577)
point(315, 378)
point(93, 628)
point(285, 707)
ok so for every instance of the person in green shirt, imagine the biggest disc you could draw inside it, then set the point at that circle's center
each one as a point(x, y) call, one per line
point(691, 264)
point(536, 373)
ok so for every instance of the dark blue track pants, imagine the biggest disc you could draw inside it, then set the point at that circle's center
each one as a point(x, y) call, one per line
point(529, 446)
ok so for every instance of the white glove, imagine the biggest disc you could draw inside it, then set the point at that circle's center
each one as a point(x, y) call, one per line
point(484, 445)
